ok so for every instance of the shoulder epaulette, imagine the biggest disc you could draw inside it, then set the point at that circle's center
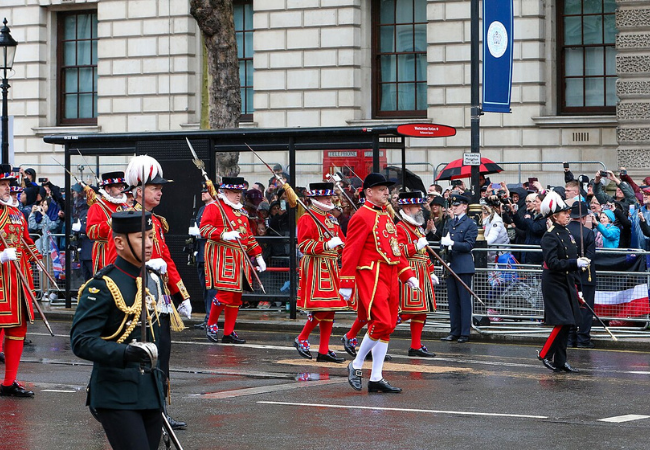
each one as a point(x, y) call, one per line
point(163, 223)
point(103, 271)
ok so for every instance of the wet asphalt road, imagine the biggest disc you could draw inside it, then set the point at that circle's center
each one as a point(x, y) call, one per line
point(262, 395)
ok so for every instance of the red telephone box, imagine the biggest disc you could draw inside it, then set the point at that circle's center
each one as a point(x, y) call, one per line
point(351, 163)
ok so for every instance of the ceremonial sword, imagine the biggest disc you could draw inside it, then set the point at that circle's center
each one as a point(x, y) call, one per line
point(582, 254)
point(143, 315)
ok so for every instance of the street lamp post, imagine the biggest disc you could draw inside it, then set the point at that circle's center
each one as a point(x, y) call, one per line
point(7, 54)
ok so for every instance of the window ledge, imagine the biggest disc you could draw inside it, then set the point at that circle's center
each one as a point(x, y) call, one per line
point(576, 121)
point(372, 122)
point(86, 129)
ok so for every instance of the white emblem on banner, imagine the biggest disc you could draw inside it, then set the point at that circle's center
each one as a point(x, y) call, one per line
point(497, 39)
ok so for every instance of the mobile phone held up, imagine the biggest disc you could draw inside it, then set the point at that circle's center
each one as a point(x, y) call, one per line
point(603, 173)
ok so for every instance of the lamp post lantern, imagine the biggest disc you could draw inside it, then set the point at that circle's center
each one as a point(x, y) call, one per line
point(7, 53)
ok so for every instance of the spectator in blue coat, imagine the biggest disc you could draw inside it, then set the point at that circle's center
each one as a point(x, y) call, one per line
point(611, 233)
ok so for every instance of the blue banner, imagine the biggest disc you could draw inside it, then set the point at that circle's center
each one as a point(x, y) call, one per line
point(497, 55)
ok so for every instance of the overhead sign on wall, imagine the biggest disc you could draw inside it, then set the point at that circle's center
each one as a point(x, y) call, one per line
point(498, 28)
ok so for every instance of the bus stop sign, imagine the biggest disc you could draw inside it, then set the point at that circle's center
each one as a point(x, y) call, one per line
point(426, 130)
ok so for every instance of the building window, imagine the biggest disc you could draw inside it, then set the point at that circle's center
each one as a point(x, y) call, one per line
point(244, 32)
point(399, 58)
point(77, 63)
point(587, 56)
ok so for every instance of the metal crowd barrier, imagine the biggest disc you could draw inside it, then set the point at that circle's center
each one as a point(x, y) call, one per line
point(513, 302)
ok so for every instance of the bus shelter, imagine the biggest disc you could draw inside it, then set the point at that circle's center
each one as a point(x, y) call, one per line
point(179, 201)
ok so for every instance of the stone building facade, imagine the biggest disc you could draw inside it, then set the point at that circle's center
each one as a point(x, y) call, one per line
point(314, 64)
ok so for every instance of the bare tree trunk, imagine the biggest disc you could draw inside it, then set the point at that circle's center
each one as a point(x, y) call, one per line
point(216, 20)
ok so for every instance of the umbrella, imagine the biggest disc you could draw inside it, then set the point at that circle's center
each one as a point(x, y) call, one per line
point(412, 181)
point(456, 170)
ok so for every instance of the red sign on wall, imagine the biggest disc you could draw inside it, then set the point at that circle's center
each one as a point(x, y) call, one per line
point(426, 130)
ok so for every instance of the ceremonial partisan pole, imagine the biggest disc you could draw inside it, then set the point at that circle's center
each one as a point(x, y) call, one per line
point(213, 193)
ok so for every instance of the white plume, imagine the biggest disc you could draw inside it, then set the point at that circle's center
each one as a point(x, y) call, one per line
point(133, 172)
point(552, 203)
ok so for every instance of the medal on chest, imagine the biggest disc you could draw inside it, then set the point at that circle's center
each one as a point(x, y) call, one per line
point(394, 245)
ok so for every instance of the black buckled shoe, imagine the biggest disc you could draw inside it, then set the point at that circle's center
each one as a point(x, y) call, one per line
point(212, 333)
point(383, 386)
point(330, 356)
point(568, 368)
point(463, 339)
point(354, 377)
point(386, 358)
point(449, 338)
point(422, 352)
point(232, 338)
point(302, 347)
point(349, 345)
point(2, 357)
point(548, 364)
point(16, 390)
point(176, 424)
point(588, 344)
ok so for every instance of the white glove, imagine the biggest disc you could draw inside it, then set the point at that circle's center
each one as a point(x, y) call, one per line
point(185, 308)
point(231, 236)
point(434, 279)
point(346, 293)
point(76, 227)
point(581, 298)
point(413, 283)
point(421, 243)
point(194, 231)
point(334, 242)
point(446, 241)
point(261, 265)
point(583, 262)
point(8, 254)
point(157, 264)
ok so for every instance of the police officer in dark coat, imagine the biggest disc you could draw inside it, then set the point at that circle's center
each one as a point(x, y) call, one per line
point(459, 238)
point(125, 391)
point(587, 278)
point(559, 279)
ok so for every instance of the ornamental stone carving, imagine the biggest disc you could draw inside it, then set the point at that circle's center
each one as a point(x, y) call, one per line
point(633, 111)
point(633, 135)
point(632, 18)
point(632, 64)
point(626, 87)
point(633, 41)
point(634, 157)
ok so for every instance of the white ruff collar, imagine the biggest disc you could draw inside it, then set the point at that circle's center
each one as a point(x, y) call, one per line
point(322, 206)
point(9, 202)
point(408, 218)
point(114, 200)
point(229, 203)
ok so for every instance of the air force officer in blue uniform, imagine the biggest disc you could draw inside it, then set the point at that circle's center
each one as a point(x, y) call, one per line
point(459, 237)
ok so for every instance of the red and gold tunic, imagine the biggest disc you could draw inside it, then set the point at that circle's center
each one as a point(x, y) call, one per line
point(224, 260)
point(423, 300)
point(13, 293)
point(160, 250)
point(373, 263)
point(98, 229)
point(318, 289)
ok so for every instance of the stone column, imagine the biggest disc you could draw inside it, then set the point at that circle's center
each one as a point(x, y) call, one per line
point(633, 86)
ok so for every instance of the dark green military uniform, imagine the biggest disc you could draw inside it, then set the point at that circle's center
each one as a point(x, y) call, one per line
point(112, 384)
point(128, 402)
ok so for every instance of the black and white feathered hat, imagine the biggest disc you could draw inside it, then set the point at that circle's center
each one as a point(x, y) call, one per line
point(553, 204)
point(153, 173)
